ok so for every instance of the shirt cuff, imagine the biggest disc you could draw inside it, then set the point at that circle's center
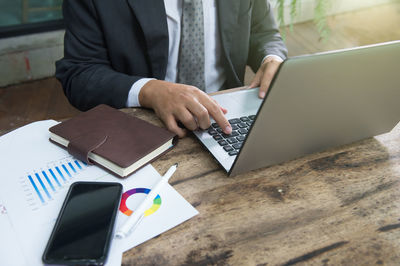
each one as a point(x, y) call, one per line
point(278, 58)
point(133, 96)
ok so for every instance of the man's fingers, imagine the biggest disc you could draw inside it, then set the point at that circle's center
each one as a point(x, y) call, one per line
point(268, 74)
point(171, 124)
point(265, 82)
point(257, 79)
point(214, 109)
point(186, 118)
point(224, 110)
point(188, 105)
point(222, 122)
point(200, 113)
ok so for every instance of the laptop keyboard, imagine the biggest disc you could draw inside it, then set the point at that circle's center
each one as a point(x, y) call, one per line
point(233, 142)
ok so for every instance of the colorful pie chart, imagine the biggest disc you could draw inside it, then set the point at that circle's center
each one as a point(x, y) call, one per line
point(125, 210)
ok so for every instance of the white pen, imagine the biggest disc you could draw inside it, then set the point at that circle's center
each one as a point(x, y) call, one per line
point(137, 216)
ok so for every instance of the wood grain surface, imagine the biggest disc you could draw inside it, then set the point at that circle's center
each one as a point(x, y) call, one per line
point(341, 206)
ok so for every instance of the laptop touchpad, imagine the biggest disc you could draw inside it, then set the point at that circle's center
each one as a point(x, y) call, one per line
point(239, 103)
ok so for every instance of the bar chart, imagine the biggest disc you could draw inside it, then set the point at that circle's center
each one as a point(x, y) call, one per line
point(42, 184)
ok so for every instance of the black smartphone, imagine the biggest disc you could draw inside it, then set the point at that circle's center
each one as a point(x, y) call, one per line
point(83, 230)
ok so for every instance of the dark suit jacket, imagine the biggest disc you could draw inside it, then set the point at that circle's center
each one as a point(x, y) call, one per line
point(110, 44)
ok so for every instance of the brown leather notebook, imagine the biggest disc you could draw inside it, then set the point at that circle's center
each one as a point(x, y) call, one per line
point(112, 139)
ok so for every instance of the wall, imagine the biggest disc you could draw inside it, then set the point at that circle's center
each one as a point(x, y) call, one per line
point(29, 57)
point(32, 57)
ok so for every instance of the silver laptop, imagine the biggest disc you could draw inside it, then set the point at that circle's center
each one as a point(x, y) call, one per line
point(315, 102)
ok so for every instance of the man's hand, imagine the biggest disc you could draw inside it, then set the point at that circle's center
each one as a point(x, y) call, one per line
point(265, 74)
point(174, 102)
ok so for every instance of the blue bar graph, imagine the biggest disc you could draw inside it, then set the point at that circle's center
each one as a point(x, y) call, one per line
point(72, 167)
point(77, 163)
point(55, 178)
point(43, 186)
point(36, 189)
point(60, 173)
point(66, 170)
point(45, 182)
point(48, 181)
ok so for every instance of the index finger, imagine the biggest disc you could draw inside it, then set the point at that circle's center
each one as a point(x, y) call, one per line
point(214, 109)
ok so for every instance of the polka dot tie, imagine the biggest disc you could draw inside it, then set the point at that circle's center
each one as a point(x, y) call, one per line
point(191, 51)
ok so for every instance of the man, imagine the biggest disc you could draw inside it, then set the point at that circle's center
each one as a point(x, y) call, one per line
point(166, 54)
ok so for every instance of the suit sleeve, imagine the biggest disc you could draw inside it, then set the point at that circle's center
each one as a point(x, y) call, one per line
point(265, 38)
point(85, 72)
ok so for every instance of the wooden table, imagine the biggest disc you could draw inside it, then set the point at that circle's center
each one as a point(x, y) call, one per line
point(341, 206)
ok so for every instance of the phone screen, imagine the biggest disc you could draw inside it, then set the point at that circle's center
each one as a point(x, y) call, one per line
point(84, 227)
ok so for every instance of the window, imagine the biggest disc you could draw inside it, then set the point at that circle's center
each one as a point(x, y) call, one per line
point(19, 17)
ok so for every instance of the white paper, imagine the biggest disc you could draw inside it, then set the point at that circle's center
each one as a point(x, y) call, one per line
point(10, 251)
point(35, 177)
point(174, 209)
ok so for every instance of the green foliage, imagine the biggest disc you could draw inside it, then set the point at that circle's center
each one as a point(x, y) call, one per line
point(293, 12)
point(281, 16)
point(321, 8)
point(320, 18)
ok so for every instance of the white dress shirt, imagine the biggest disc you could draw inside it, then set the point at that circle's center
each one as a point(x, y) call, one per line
point(214, 71)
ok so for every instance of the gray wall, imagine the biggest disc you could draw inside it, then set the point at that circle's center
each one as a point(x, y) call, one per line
point(29, 57)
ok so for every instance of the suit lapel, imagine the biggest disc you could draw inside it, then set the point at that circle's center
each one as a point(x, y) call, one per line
point(228, 12)
point(153, 20)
